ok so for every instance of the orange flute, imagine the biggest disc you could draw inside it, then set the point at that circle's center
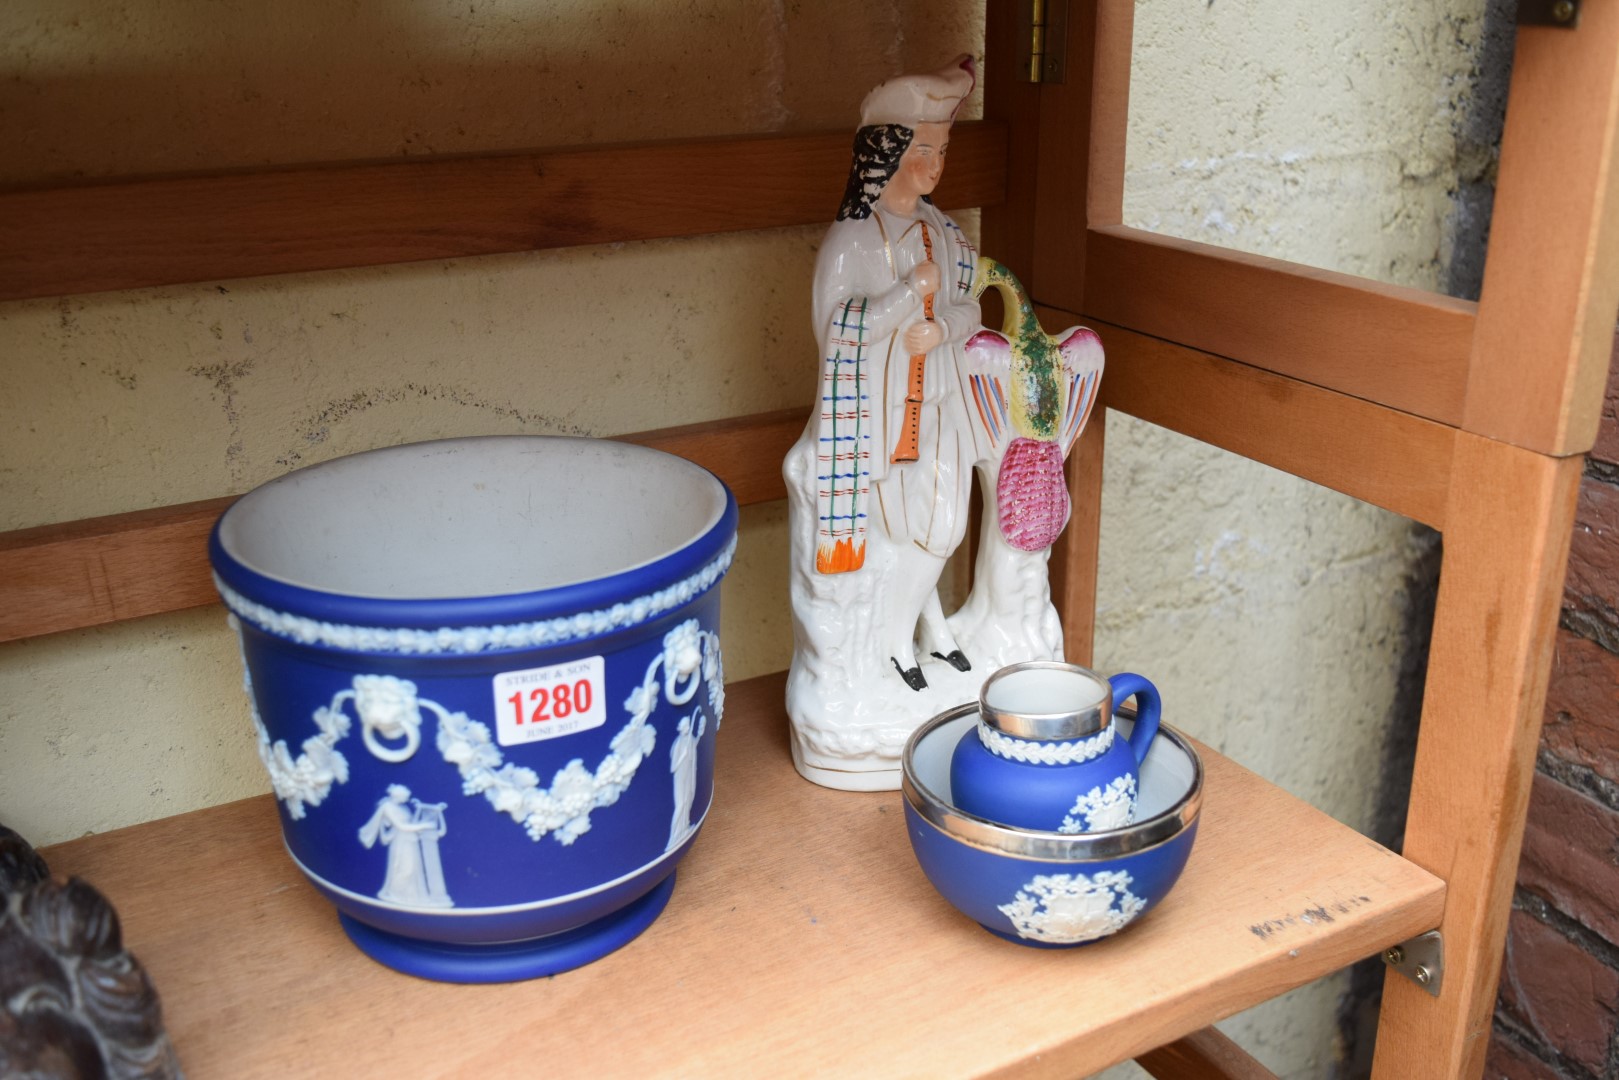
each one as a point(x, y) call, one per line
point(905, 449)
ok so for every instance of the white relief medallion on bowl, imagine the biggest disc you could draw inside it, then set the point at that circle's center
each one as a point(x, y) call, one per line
point(1110, 807)
point(1067, 909)
point(683, 770)
point(390, 718)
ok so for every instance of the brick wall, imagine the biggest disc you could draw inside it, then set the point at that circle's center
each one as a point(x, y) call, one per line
point(1557, 1017)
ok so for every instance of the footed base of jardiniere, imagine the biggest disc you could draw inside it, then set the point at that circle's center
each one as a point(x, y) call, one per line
point(511, 961)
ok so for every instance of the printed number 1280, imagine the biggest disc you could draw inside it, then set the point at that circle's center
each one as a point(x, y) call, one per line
point(555, 703)
point(549, 702)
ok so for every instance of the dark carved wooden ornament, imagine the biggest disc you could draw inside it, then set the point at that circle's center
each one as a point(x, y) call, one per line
point(73, 1003)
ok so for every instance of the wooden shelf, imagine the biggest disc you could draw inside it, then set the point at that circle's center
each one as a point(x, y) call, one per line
point(802, 938)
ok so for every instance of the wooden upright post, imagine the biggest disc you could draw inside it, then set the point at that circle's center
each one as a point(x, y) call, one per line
point(1507, 528)
point(1545, 320)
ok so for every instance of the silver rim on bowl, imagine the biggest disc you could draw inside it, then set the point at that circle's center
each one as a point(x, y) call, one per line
point(1049, 846)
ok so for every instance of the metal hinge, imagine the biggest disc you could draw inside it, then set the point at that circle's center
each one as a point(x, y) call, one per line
point(1422, 960)
point(1047, 38)
point(1560, 13)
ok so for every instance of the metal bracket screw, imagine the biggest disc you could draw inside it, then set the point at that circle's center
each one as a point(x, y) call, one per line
point(1422, 960)
point(1562, 14)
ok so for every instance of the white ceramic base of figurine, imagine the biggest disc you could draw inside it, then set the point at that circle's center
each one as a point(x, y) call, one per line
point(851, 712)
point(845, 779)
point(850, 737)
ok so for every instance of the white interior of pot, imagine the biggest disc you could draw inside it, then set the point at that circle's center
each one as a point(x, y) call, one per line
point(1036, 691)
point(472, 517)
point(1165, 777)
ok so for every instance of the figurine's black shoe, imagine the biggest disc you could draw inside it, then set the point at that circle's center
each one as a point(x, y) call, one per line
point(913, 677)
point(957, 659)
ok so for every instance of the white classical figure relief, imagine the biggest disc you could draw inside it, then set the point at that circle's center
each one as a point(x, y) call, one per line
point(1111, 807)
point(410, 829)
point(1067, 909)
point(683, 764)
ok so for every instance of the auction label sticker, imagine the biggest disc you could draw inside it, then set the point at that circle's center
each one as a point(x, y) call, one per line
point(550, 702)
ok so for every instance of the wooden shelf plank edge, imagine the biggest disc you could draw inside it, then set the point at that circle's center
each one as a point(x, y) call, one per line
point(99, 570)
point(169, 230)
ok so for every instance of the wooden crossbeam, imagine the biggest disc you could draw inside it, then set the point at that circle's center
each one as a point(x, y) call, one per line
point(162, 231)
point(1372, 452)
point(1203, 1055)
point(107, 569)
point(1401, 347)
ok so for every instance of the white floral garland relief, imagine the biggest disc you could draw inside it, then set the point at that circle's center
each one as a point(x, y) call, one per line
point(1044, 751)
point(1112, 807)
point(1067, 909)
point(390, 710)
point(690, 655)
point(307, 779)
point(467, 640)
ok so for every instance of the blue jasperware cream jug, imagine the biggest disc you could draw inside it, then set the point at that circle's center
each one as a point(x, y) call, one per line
point(1046, 753)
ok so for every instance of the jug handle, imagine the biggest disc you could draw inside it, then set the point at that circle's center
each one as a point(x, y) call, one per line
point(1148, 709)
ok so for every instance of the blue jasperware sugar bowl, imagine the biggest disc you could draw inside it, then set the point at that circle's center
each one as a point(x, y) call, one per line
point(1045, 753)
point(485, 677)
point(1042, 888)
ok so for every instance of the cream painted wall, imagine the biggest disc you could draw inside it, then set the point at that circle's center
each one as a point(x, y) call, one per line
point(121, 401)
point(1275, 615)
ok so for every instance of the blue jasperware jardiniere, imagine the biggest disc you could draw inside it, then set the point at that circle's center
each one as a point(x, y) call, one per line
point(1043, 888)
point(1045, 753)
point(485, 676)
